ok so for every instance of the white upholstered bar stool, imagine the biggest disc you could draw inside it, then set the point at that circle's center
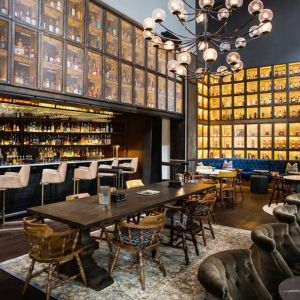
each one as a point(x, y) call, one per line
point(114, 176)
point(13, 180)
point(84, 173)
point(50, 176)
point(132, 166)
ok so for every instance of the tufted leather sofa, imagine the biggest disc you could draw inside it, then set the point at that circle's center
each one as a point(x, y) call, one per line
point(294, 199)
point(229, 275)
point(277, 254)
point(289, 214)
point(248, 165)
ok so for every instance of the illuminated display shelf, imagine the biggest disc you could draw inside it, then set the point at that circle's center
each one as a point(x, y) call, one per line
point(253, 114)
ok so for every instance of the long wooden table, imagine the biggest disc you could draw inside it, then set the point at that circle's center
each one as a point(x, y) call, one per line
point(87, 213)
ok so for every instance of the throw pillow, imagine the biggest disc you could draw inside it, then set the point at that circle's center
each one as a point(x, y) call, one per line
point(291, 168)
point(227, 164)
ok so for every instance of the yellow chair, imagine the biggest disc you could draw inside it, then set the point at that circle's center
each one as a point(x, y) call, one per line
point(130, 184)
point(226, 185)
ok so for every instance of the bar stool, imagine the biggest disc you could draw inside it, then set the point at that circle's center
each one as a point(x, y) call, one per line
point(84, 173)
point(50, 176)
point(13, 180)
point(104, 172)
point(129, 168)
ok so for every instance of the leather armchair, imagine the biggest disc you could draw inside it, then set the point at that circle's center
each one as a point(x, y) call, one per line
point(229, 275)
point(289, 214)
point(275, 251)
point(294, 199)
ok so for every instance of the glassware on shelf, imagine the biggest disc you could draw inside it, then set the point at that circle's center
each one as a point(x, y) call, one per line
point(239, 136)
point(280, 155)
point(151, 90)
point(280, 136)
point(294, 97)
point(226, 136)
point(226, 89)
point(226, 114)
point(294, 136)
point(75, 24)
point(252, 87)
point(25, 57)
point(280, 84)
point(239, 101)
point(279, 98)
point(215, 136)
point(95, 29)
point(214, 115)
point(239, 154)
point(179, 99)
point(151, 56)
point(214, 153)
point(294, 155)
point(171, 95)
point(279, 70)
point(3, 50)
point(294, 111)
point(280, 112)
point(266, 136)
point(252, 113)
point(162, 95)
point(126, 83)
point(54, 16)
point(112, 34)
point(226, 102)
point(74, 65)
point(214, 102)
point(252, 136)
point(111, 79)
point(265, 72)
point(239, 76)
point(4, 7)
point(239, 114)
point(27, 11)
point(252, 100)
point(265, 86)
point(139, 87)
point(94, 75)
point(162, 61)
point(126, 49)
point(252, 154)
point(265, 99)
point(266, 112)
point(294, 69)
point(294, 83)
point(171, 56)
point(52, 64)
point(139, 47)
point(265, 155)
point(251, 74)
point(239, 88)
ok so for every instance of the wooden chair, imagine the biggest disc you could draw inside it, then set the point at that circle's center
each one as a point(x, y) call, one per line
point(139, 238)
point(239, 183)
point(279, 190)
point(226, 186)
point(130, 184)
point(51, 248)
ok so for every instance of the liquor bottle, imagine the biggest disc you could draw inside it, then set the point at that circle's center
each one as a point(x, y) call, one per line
point(73, 10)
point(19, 49)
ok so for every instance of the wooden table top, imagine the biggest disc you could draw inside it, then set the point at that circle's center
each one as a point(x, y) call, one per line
point(87, 212)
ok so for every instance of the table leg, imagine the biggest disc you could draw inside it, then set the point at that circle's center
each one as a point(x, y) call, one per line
point(97, 277)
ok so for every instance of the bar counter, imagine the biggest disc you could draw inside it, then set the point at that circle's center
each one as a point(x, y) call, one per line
point(18, 200)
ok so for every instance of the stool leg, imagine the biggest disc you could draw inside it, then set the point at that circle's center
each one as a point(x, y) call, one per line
point(74, 186)
point(77, 190)
point(3, 207)
point(42, 201)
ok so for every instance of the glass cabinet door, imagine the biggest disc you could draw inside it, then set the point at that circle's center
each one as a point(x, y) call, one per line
point(179, 99)
point(151, 57)
point(126, 84)
point(139, 98)
point(151, 91)
point(25, 57)
point(52, 64)
point(162, 61)
point(111, 79)
point(27, 11)
point(112, 26)
point(139, 47)
point(95, 31)
point(171, 56)
point(54, 16)
point(94, 75)
point(3, 50)
point(252, 136)
point(239, 136)
point(171, 95)
point(126, 41)
point(4, 7)
point(76, 20)
point(75, 59)
point(161, 93)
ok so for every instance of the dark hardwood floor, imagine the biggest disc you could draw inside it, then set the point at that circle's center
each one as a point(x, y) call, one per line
point(247, 215)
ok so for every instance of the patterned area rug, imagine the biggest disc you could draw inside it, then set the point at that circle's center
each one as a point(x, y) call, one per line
point(181, 281)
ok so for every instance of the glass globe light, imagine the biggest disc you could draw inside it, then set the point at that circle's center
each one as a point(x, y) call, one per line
point(159, 15)
point(238, 66)
point(233, 58)
point(149, 24)
point(265, 27)
point(201, 17)
point(169, 45)
point(183, 15)
point(202, 45)
point(233, 4)
point(148, 35)
point(172, 64)
point(255, 7)
point(223, 14)
point(181, 70)
point(224, 46)
point(221, 70)
point(210, 55)
point(184, 58)
point(156, 40)
point(265, 15)
point(206, 4)
point(240, 43)
point(175, 6)
point(254, 31)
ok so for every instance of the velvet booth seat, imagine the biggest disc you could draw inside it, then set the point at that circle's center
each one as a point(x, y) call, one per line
point(248, 165)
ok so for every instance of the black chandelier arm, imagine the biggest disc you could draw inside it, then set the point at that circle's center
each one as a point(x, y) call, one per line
point(192, 33)
point(173, 33)
point(192, 7)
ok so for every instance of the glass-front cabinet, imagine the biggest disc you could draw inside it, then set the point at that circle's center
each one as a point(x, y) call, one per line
point(162, 61)
point(171, 95)
point(95, 29)
point(25, 57)
point(3, 50)
point(94, 75)
point(126, 83)
point(4, 7)
point(151, 57)
point(239, 136)
point(27, 11)
point(112, 34)
point(76, 12)
point(179, 101)
point(52, 64)
point(161, 93)
point(75, 59)
point(139, 47)
point(139, 90)
point(126, 49)
point(54, 17)
point(151, 90)
point(111, 79)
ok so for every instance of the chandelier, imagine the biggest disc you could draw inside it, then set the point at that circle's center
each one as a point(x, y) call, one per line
point(209, 46)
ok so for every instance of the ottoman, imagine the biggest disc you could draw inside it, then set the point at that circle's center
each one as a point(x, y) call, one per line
point(259, 184)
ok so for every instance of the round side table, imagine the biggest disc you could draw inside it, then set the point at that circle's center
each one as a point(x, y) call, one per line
point(289, 289)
